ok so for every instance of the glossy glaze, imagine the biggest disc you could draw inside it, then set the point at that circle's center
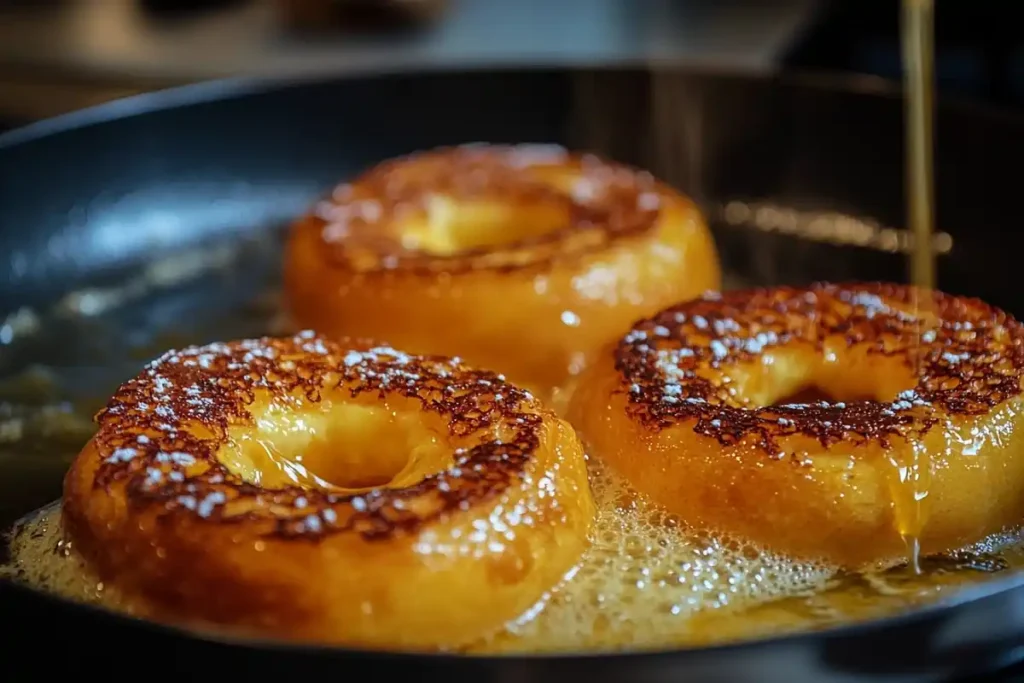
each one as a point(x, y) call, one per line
point(213, 492)
point(918, 440)
point(484, 251)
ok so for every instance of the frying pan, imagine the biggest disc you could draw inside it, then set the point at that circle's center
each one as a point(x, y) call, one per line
point(802, 180)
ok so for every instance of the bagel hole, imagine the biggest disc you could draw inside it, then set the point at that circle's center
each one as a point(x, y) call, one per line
point(451, 226)
point(795, 376)
point(347, 446)
point(815, 394)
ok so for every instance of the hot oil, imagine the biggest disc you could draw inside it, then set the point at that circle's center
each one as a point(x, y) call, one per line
point(640, 583)
point(911, 464)
point(41, 557)
point(646, 576)
point(646, 582)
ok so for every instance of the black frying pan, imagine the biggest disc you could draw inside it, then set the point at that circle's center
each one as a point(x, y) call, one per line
point(801, 179)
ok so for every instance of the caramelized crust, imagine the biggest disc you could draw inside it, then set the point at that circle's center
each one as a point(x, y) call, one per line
point(175, 391)
point(361, 229)
point(970, 360)
point(918, 442)
point(468, 250)
point(167, 501)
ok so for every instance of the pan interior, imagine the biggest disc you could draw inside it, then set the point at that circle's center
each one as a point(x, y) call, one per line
point(60, 362)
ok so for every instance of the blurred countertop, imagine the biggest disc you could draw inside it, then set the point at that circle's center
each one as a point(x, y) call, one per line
point(57, 55)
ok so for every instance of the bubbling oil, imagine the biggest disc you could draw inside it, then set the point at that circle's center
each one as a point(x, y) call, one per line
point(644, 578)
point(646, 582)
point(41, 557)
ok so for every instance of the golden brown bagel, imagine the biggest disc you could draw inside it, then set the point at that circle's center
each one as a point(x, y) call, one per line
point(520, 259)
point(342, 493)
point(921, 439)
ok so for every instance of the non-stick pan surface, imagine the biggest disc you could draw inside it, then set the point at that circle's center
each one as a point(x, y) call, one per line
point(138, 225)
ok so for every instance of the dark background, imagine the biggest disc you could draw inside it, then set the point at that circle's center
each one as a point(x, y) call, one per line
point(979, 46)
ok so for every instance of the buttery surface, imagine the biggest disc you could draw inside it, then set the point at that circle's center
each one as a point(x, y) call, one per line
point(482, 250)
point(301, 489)
point(646, 582)
point(920, 441)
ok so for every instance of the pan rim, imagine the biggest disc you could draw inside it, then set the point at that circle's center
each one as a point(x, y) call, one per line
point(210, 91)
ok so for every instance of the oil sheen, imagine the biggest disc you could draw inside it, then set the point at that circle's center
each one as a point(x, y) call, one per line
point(645, 582)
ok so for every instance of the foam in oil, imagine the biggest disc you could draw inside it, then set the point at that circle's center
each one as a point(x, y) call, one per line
point(646, 582)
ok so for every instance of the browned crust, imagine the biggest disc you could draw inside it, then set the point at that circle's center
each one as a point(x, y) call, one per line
point(147, 434)
point(356, 225)
point(971, 360)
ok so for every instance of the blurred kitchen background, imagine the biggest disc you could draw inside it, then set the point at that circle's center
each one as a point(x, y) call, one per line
point(61, 55)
